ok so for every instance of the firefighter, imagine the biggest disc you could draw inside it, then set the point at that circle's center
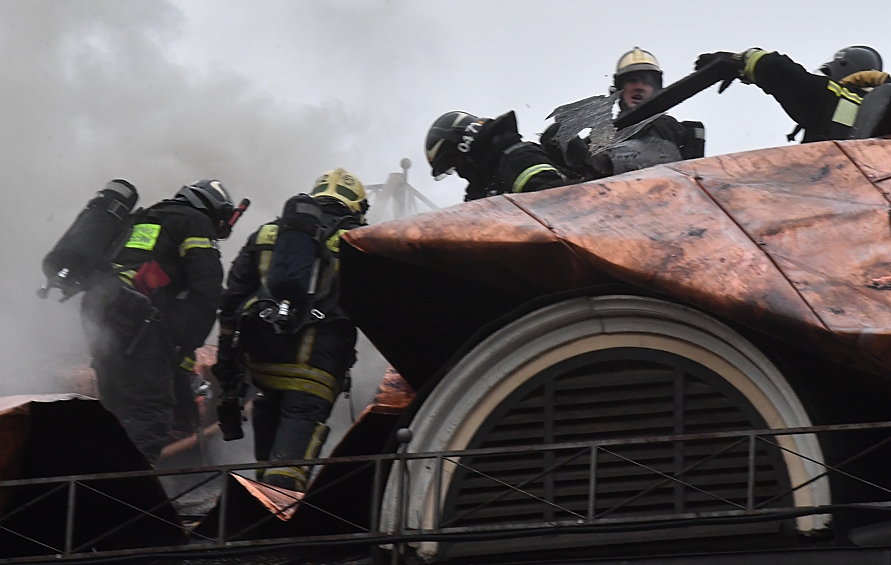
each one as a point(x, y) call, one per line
point(490, 154)
point(824, 105)
point(295, 342)
point(145, 319)
point(638, 77)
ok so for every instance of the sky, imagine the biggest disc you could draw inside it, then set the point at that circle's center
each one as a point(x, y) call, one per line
point(268, 94)
point(395, 66)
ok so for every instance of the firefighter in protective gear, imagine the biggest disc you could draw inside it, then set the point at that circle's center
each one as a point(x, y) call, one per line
point(824, 105)
point(157, 304)
point(639, 77)
point(664, 140)
point(299, 367)
point(490, 154)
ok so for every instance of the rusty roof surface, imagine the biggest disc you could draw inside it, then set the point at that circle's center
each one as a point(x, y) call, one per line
point(789, 241)
point(19, 404)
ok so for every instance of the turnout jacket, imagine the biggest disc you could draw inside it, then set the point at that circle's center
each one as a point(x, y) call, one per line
point(183, 241)
point(502, 162)
point(826, 109)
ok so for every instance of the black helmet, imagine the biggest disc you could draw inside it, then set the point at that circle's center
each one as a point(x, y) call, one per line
point(852, 60)
point(443, 142)
point(213, 199)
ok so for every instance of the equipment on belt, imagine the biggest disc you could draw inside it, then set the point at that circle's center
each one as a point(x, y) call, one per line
point(90, 243)
point(229, 371)
point(230, 413)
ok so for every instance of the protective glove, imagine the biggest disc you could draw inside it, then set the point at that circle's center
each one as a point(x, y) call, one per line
point(731, 59)
point(599, 166)
point(730, 66)
point(494, 136)
point(576, 150)
point(481, 169)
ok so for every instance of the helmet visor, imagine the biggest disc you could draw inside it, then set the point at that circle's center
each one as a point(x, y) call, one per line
point(344, 191)
point(652, 78)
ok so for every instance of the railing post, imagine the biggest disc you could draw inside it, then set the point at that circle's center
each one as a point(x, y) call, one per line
point(224, 502)
point(750, 484)
point(403, 435)
point(376, 496)
point(69, 517)
point(438, 493)
point(592, 483)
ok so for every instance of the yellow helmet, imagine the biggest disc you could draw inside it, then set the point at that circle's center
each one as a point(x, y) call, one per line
point(341, 185)
point(635, 60)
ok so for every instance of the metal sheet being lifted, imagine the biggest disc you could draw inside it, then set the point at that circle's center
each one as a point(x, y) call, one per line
point(787, 241)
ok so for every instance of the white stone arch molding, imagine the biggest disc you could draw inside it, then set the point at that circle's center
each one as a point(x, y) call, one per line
point(496, 367)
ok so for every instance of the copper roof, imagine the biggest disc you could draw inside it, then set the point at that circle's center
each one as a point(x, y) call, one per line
point(791, 241)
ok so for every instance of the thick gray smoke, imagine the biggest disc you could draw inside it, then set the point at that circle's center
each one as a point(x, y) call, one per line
point(89, 94)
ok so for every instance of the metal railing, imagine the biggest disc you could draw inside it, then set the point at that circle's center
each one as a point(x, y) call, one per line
point(589, 521)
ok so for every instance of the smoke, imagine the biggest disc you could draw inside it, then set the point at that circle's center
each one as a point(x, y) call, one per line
point(90, 94)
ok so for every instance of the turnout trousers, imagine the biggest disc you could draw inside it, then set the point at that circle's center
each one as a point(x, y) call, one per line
point(299, 377)
point(136, 381)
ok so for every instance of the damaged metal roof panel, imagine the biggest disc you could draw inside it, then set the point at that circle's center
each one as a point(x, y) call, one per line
point(44, 440)
point(792, 242)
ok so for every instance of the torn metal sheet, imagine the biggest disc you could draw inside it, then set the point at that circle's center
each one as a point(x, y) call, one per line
point(595, 112)
point(280, 502)
point(393, 394)
point(252, 511)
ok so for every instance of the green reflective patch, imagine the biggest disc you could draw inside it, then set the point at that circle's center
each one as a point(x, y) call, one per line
point(333, 242)
point(845, 112)
point(144, 236)
point(267, 235)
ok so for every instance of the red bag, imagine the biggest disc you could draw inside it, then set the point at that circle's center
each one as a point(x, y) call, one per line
point(150, 277)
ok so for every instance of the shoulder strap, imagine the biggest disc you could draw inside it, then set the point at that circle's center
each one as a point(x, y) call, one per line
point(134, 218)
point(325, 269)
point(332, 228)
point(303, 213)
